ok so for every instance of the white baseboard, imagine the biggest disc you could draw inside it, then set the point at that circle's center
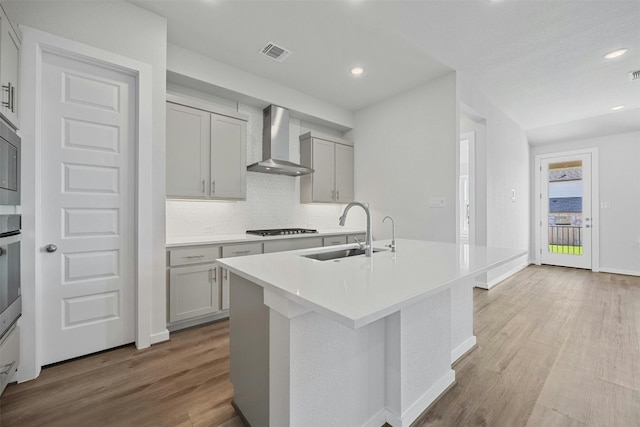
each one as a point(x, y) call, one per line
point(377, 420)
point(460, 350)
point(500, 278)
point(619, 271)
point(160, 337)
point(422, 403)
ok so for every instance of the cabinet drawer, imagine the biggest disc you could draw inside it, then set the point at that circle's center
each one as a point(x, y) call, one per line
point(360, 237)
point(335, 240)
point(188, 256)
point(241, 250)
point(292, 244)
point(9, 357)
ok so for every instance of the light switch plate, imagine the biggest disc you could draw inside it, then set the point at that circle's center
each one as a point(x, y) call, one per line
point(605, 205)
point(437, 202)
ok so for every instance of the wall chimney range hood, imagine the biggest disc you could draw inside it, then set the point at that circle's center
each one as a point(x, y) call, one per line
point(275, 145)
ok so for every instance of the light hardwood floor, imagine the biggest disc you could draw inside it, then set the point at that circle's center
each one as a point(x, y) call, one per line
point(556, 347)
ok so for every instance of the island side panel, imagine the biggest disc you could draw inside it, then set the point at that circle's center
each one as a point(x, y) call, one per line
point(323, 372)
point(249, 350)
point(417, 357)
point(462, 338)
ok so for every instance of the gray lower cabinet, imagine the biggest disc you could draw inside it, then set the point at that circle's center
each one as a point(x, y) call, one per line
point(199, 288)
point(194, 285)
point(194, 292)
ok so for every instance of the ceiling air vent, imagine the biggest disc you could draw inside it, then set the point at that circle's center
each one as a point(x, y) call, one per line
point(634, 75)
point(274, 51)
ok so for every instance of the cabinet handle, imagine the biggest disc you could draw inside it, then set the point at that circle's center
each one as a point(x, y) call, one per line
point(7, 88)
point(203, 186)
point(215, 274)
point(337, 194)
point(213, 187)
point(333, 194)
point(225, 274)
point(193, 256)
point(13, 98)
point(241, 252)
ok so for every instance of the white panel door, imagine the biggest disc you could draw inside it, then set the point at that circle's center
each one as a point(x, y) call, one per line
point(87, 208)
point(565, 211)
point(324, 175)
point(228, 157)
point(344, 173)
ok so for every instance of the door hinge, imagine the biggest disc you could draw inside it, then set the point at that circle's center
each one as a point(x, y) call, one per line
point(540, 196)
point(540, 251)
point(540, 223)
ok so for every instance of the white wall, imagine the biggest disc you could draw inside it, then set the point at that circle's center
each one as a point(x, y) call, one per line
point(502, 165)
point(405, 154)
point(208, 72)
point(127, 30)
point(619, 169)
point(273, 201)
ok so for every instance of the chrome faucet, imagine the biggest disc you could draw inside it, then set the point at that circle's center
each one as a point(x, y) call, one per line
point(368, 246)
point(393, 234)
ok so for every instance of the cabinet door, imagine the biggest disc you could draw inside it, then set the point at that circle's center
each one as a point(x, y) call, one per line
point(344, 173)
point(225, 288)
point(228, 157)
point(324, 175)
point(193, 292)
point(9, 70)
point(188, 135)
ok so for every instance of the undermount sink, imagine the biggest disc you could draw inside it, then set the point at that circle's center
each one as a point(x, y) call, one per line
point(342, 253)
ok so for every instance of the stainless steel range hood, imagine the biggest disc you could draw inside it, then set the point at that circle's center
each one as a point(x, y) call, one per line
point(275, 145)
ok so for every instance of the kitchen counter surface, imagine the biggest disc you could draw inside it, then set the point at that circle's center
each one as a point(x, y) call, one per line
point(357, 291)
point(248, 238)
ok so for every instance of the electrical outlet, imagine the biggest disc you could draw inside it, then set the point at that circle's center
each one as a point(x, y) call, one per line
point(209, 228)
point(437, 202)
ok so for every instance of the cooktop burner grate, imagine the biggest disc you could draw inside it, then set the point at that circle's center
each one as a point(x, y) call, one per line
point(282, 231)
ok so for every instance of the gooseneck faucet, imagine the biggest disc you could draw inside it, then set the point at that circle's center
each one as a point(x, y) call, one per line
point(368, 246)
point(393, 233)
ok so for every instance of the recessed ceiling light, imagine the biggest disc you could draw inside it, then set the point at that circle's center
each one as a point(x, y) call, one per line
point(356, 71)
point(616, 53)
point(617, 107)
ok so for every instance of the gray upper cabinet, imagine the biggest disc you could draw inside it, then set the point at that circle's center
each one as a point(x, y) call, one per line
point(332, 160)
point(9, 70)
point(228, 157)
point(188, 147)
point(206, 151)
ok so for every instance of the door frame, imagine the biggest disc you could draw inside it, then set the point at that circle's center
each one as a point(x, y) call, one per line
point(595, 203)
point(471, 137)
point(34, 44)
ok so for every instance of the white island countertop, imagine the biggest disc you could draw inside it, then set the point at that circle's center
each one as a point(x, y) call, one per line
point(356, 291)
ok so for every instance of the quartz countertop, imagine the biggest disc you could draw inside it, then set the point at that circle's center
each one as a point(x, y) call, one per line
point(358, 290)
point(173, 242)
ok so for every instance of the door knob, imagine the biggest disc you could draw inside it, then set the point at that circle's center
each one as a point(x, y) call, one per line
point(51, 248)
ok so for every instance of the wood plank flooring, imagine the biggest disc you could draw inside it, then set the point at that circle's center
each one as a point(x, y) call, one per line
point(556, 347)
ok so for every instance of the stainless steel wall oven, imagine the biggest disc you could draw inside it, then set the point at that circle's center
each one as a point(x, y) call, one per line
point(10, 294)
point(9, 166)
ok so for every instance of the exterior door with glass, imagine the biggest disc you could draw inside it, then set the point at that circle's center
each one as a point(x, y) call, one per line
point(566, 224)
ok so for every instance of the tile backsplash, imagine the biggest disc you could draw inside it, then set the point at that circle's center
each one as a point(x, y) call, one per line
point(273, 201)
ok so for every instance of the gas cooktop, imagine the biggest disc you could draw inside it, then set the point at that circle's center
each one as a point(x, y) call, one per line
point(281, 231)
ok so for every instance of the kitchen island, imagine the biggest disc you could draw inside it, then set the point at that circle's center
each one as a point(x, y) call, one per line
point(355, 341)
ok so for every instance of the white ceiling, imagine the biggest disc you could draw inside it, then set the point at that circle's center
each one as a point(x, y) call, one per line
point(540, 61)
